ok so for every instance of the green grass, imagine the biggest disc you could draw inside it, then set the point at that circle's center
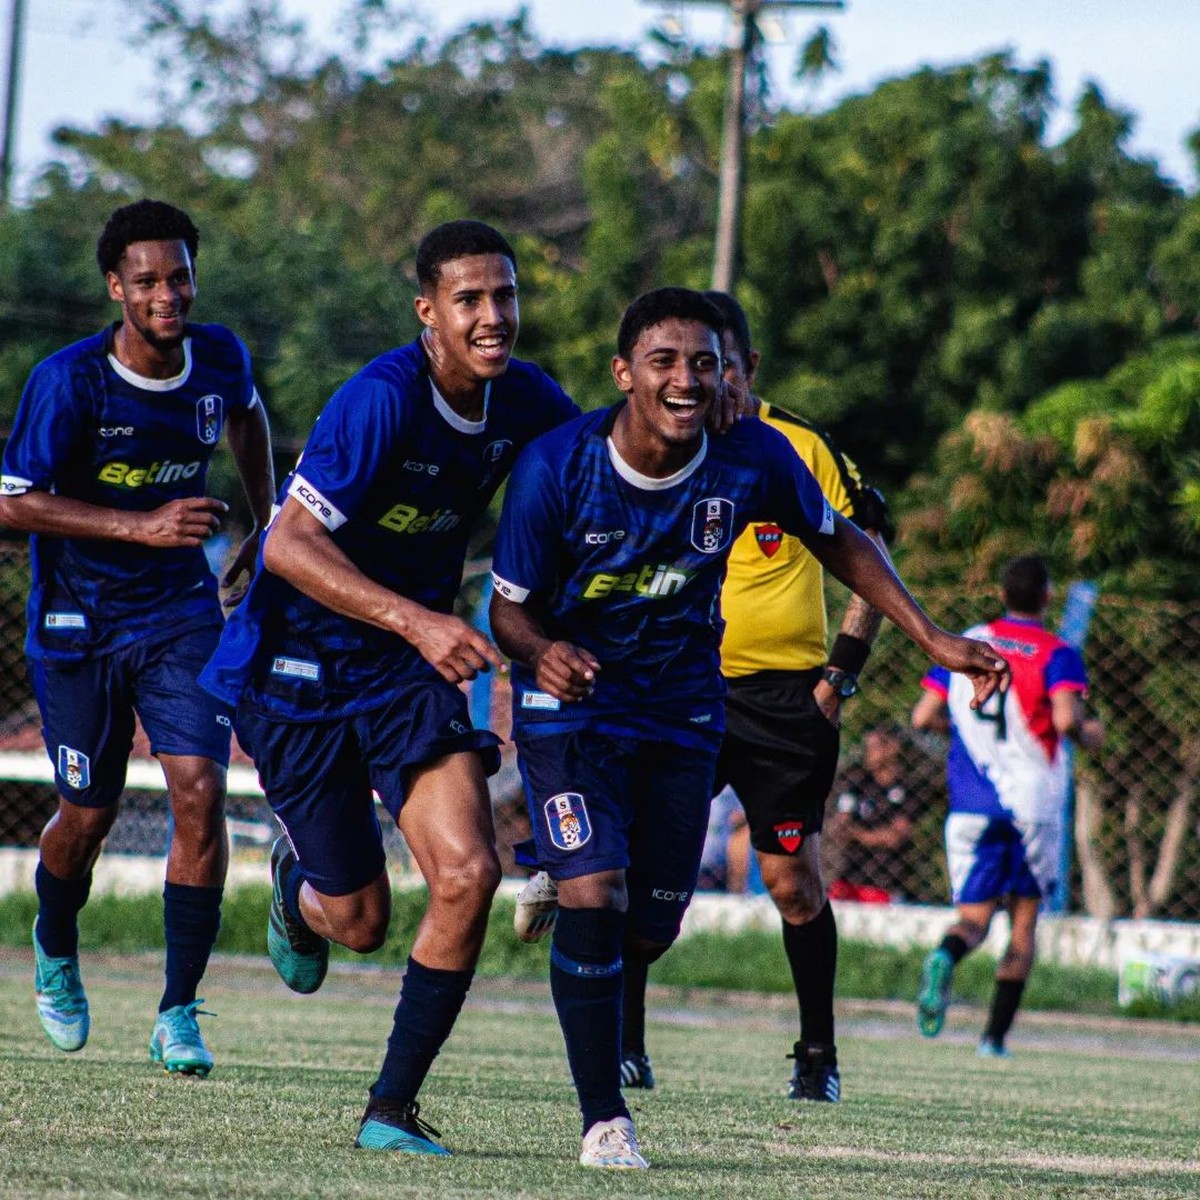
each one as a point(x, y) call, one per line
point(1088, 1109)
point(747, 961)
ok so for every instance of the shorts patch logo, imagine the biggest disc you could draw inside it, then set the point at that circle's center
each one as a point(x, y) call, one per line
point(65, 620)
point(567, 820)
point(769, 539)
point(540, 700)
point(712, 524)
point(296, 668)
point(74, 768)
point(208, 419)
point(790, 835)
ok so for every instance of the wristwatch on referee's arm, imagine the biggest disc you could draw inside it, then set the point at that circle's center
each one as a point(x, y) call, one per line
point(844, 683)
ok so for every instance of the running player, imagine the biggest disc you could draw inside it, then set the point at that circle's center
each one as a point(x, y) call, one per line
point(612, 546)
point(1007, 777)
point(781, 741)
point(106, 468)
point(345, 658)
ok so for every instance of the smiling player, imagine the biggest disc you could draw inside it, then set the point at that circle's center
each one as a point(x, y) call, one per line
point(345, 658)
point(106, 467)
point(611, 551)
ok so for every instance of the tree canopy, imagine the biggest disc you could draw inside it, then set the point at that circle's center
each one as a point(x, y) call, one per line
point(1000, 330)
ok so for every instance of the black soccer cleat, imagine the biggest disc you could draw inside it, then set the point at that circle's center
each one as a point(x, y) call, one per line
point(815, 1076)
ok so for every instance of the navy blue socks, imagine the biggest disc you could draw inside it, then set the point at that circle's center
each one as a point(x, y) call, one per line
point(430, 1001)
point(585, 981)
point(59, 904)
point(191, 921)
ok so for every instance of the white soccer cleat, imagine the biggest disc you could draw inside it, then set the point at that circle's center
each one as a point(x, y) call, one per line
point(537, 908)
point(612, 1144)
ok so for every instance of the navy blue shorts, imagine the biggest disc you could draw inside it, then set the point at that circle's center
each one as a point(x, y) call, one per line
point(601, 803)
point(320, 776)
point(88, 712)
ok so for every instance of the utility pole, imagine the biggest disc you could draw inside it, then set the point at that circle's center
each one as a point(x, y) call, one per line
point(8, 152)
point(744, 35)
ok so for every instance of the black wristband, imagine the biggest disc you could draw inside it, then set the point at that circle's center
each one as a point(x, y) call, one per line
point(849, 653)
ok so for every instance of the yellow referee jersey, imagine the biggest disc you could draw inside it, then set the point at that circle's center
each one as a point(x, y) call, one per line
point(773, 599)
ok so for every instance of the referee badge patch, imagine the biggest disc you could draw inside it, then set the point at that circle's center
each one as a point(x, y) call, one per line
point(567, 820)
point(74, 768)
point(790, 835)
point(769, 539)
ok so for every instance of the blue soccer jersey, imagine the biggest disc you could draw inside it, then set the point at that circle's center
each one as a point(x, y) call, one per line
point(630, 568)
point(399, 479)
point(89, 428)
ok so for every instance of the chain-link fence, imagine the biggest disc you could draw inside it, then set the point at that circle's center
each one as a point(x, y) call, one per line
point(1136, 849)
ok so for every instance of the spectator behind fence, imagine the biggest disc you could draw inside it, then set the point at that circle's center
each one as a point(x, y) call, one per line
point(871, 828)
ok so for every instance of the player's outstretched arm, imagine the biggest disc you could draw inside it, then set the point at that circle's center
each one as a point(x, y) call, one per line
point(299, 549)
point(850, 556)
point(565, 671)
point(188, 522)
point(250, 443)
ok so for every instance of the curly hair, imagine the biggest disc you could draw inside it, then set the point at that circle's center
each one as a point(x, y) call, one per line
point(457, 239)
point(144, 221)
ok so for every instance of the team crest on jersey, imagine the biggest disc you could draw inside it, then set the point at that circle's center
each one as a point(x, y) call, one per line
point(208, 419)
point(790, 835)
point(567, 820)
point(712, 524)
point(769, 539)
point(74, 768)
point(493, 454)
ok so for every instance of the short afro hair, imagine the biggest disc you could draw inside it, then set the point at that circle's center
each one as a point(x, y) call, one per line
point(144, 221)
point(1024, 584)
point(457, 239)
point(736, 321)
point(664, 304)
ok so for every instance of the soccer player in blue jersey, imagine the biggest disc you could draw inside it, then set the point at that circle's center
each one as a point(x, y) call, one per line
point(344, 660)
point(608, 564)
point(106, 468)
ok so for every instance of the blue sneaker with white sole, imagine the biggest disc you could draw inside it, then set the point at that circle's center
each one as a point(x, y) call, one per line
point(177, 1042)
point(62, 1005)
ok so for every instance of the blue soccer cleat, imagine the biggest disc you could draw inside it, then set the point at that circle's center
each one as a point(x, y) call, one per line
point(300, 956)
point(990, 1048)
point(177, 1043)
point(61, 1003)
point(934, 997)
point(397, 1127)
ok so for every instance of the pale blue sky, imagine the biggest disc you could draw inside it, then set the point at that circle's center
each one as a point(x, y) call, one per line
point(78, 68)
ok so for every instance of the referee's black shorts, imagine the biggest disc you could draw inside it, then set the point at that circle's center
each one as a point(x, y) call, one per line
point(780, 756)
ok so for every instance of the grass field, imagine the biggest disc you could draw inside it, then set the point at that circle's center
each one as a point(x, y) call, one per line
point(1088, 1108)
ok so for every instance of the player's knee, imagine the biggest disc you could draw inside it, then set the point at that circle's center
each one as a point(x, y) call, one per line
point(469, 883)
point(799, 896)
point(639, 949)
point(1016, 963)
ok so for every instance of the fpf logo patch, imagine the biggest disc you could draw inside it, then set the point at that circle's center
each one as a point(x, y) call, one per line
point(74, 768)
point(712, 524)
point(790, 835)
point(208, 419)
point(567, 820)
point(769, 539)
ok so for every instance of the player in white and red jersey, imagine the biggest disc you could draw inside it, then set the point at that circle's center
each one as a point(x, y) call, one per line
point(1007, 774)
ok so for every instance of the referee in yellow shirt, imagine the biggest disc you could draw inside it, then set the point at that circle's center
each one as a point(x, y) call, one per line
point(782, 714)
